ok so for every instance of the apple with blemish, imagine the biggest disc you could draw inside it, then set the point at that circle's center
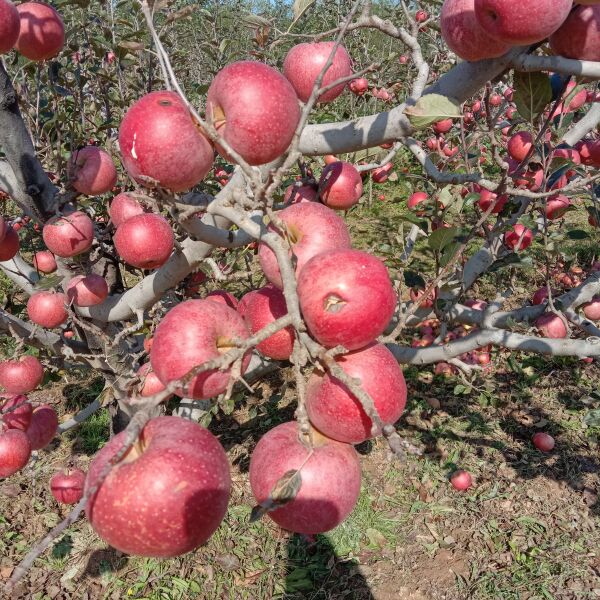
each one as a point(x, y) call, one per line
point(346, 298)
point(69, 235)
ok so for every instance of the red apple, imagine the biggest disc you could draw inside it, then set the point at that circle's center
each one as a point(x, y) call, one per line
point(520, 145)
point(487, 198)
point(167, 496)
point(464, 35)
point(255, 110)
point(550, 325)
point(330, 478)
point(9, 246)
point(543, 441)
point(591, 310)
point(87, 290)
point(124, 207)
point(522, 23)
point(381, 174)
point(443, 126)
point(16, 412)
point(346, 298)
point(161, 144)
point(359, 86)
point(337, 413)
point(260, 308)
point(22, 375)
point(541, 295)
point(44, 261)
point(92, 171)
point(15, 451)
point(304, 63)
point(190, 334)
point(421, 16)
point(144, 241)
point(556, 207)
point(43, 426)
point(151, 384)
point(67, 486)
point(518, 238)
point(340, 186)
point(311, 229)
point(224, 297)
point(476, 304)
point(42, 32)
point(579, 35)
point(461, 480)
point(295, 194)
point(69, 235)
point(47, 309)
point(495, 100)
point(9, 26)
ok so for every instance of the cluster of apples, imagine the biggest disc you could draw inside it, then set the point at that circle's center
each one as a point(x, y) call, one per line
point(479, 29)
point(34, 29)
point(23, 428)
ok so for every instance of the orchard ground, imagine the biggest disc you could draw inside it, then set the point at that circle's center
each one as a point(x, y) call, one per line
point(528, 528)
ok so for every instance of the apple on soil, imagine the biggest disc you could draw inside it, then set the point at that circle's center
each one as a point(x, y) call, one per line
point(47, 309)
point(67, 486)
point(304, 63)
point(44, 261)
point(550, 325)
point(591, 310)
point(21, 375)
point(192, 333)
point(255, 110)
point(144, 241)
point(346, 298)
point(311, 229)
point(43, 426)
point(461, 480)
point(92, 171)
point(69, 235)
point(87, 290)
point(544, 442)
point(167, 496)
point(16, 412)
point(359, 86)
point(330, 478)
point(463, 34)
point(41, 31)
point(10, 244)
point(338, 414)
point(161, 144)
point(340, 186)
point(15, 451)
point(521, 23)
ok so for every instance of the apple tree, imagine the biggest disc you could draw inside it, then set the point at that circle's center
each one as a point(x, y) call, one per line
point(143, 156)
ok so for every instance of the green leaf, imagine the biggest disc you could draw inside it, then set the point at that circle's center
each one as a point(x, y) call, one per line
point(533, 92)
point(49, 282)
point(432, 108)
point(577, 234)
point(414, 280)
point(441, 237)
